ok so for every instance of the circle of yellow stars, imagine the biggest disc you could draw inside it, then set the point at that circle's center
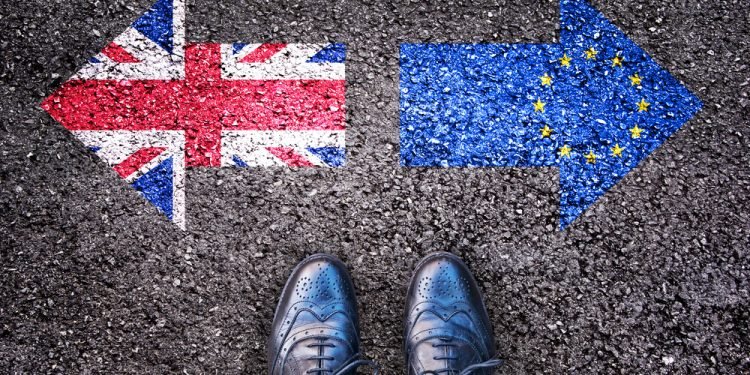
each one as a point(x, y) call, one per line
point(617, 62)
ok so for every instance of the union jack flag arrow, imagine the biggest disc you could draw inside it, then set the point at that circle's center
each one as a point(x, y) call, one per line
point(151, 105)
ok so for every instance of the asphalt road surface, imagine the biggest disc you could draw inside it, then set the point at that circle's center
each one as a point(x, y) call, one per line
point(654, 278)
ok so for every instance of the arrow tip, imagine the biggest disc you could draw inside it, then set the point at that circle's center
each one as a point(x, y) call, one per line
point(629, 107)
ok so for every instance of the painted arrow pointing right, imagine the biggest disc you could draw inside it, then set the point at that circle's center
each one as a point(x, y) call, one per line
point(595, 105)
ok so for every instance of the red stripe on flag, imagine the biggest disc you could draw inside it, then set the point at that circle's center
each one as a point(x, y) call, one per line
point(118, 54)
point(116, 105)
point(290, 157)
point(284, 105)
point(263, 52)
point(137, 160)
point(163, 105)
point(202, 105)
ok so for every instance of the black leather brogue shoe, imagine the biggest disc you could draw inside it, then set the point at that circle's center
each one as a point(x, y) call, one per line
point(315, 328)
point(447, 330)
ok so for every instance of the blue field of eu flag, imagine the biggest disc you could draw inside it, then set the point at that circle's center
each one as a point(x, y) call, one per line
point(593, 105)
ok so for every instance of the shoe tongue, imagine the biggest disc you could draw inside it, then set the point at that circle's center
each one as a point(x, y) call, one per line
point(304, 353)
point(436, 347)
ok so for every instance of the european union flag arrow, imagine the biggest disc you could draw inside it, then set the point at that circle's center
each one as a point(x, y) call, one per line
point(594, 105)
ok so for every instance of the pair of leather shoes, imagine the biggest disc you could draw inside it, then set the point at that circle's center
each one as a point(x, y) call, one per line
point(446, 327)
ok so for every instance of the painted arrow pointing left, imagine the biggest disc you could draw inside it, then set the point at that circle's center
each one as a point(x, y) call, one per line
point(151, 105)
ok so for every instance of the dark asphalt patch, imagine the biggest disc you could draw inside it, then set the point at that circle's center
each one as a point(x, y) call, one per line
point(652, 279)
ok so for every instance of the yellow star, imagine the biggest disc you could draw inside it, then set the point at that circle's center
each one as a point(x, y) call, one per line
point(591, 53)
point(539, 106)
point(635, 80)
point(565, 151)
point(617, 61)
point(590, 158)
point(546, 80)
point(546, 131)
point(635, 132)
point(643, 105)
point(617, 150)
point(565, 60)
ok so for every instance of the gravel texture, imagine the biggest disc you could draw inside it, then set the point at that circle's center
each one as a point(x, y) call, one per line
point(654, 278)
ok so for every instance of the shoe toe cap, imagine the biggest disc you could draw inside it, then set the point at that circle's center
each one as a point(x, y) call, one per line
point(443, 278)
point(321, 280)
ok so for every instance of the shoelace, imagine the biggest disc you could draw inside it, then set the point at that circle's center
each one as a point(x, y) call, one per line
point(491, 363)
point(351, 363)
